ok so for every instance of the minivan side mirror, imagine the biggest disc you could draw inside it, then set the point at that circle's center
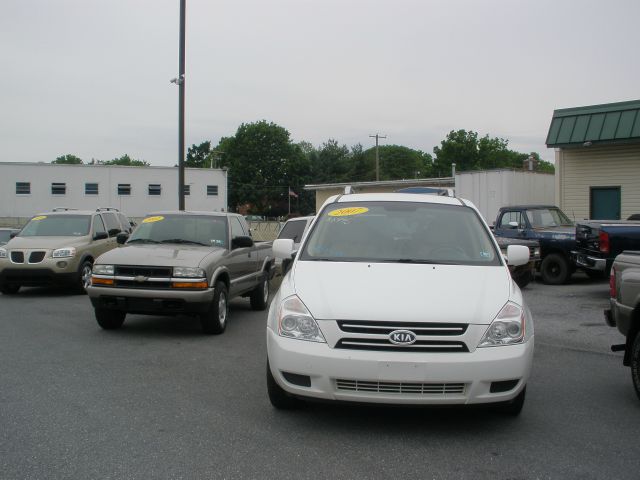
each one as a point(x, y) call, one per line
point(517, 255)
point(13, 234)
point(283, 248)
point(101, 236)
point(241, 241)
point(122, 237)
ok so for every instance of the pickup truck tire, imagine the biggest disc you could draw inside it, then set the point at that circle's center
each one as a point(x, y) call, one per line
point(260, 295)
point(214, 321)
point(597, 274)
point(635, 363)
point(524, 279)
point(555, 269)
point(109, 319)
point(9, 289)
point(278, 397)
point(513, 407)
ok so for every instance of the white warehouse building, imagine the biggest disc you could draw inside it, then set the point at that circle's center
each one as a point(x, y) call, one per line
point(29, 188)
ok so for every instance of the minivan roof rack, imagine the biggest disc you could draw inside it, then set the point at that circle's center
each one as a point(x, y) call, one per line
point(62, 209)
point(107, 209)
point(441, 192)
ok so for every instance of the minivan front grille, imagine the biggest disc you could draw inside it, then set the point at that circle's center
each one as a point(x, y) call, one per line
point(419, 328)
point(384, 344)
point(36, 257)
point(17, 257)
point(409, 388)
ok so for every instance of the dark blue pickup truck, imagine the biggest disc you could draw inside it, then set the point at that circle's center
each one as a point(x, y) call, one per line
point(598, 242)
point(551, 228)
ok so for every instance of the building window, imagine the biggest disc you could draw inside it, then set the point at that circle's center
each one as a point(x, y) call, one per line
point(187, 189)
point(91, 189)
point(212, 190)
point(58, 189)
point(23, 188)
point(155, 189)
point(124, 189)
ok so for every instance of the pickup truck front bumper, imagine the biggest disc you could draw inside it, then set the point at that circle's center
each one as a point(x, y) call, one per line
point(588, 261)
point(151, 302)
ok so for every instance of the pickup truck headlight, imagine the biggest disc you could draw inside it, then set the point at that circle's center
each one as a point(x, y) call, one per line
point(295, 321)
point(188, 272)
point(103, 269)
point(536, 252)
point(66, 252)
point(506, 329)
point(3, 253)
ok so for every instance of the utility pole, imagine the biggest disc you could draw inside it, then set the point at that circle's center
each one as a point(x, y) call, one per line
point(180, 82)
point(376, 136)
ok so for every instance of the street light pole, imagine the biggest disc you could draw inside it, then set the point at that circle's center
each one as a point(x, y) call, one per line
point(376, 136)
point(180, 83)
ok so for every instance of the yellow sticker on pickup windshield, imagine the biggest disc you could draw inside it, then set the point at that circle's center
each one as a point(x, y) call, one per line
point(40, 217)
point(152, 219)
point(345, 212)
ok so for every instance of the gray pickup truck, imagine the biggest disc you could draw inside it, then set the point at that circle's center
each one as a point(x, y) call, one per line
point(624, 284)
point(182, 263)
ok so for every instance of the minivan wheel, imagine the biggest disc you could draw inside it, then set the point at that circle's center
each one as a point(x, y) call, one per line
point(9, 289)
point(278, 397)
point(555, 269)
point(635, 363)
point(84, 276)
point(109, 319)
point(260, 295)
point(513, 407)
point(214, 320)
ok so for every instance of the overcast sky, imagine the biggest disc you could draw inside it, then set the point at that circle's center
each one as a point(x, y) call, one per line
point(91, 77)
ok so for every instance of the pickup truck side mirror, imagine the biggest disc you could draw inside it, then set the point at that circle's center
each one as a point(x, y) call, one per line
point(513, 225)
point(122, 237)
point(283, 248)
point(517, 255)
point(241, 241)
point(101, 236)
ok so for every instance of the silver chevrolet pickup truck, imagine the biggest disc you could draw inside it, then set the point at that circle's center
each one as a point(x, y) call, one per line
point(624, 285)
point(182, 263)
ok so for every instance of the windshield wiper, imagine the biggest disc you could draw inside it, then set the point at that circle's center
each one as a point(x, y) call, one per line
point(142, 240)
point(182, 240)
point(409, 260)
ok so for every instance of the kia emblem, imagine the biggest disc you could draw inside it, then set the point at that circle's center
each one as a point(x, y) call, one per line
point(402, 337)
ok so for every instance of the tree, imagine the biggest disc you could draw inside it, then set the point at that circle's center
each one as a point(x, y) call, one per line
point(199, 156)
point(68, 159)
point(124, 160)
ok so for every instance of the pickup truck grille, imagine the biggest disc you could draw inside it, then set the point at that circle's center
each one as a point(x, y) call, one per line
point(143, 271)
point(412, 388)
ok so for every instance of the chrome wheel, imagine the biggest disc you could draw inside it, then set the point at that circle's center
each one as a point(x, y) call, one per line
point(86, 275)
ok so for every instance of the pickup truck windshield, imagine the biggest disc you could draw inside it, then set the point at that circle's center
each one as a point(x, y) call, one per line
point(400, 232)
point(57, 226)
point(547, 217)
point(206, 230)
point(293, 230)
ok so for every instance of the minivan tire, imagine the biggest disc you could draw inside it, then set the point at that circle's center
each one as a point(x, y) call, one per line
point(214, 320)
point(278, 397)
point(9, 289)
point(84, 277)
point(555, 269)
point(635, 363)
point(260, 295)
point(513, 407)
point(110, 319)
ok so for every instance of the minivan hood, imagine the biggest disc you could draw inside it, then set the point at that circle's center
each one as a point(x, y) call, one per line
point(46, 242)
point(167, 255)
point(394, 292)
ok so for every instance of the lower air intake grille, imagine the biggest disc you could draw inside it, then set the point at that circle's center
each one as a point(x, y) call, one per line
point(441, 389)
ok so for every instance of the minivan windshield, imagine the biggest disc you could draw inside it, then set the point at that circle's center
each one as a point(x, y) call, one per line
point(57, 226)
point(207, 230)
point(547, 217)
point(402, 232)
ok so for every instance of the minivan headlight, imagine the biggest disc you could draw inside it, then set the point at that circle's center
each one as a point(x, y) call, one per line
point(295, 321)
point(3, 253)
point(507, 328)
point(66, 252)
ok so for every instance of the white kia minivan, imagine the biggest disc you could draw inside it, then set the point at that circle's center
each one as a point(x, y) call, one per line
point(399, 298)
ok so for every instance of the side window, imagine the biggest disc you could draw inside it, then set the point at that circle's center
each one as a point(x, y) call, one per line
point(126, 226)
point(511, 217)
point(98, 225)
point(236, 228)
point(113, 226)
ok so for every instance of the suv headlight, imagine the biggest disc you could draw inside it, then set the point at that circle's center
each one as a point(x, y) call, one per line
point(66, 252)
point(103, 270)
point(188, 272)
point(3, 253)
point(295, 321)
point(506, 329)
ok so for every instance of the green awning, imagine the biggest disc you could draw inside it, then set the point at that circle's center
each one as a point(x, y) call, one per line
point(611, 123)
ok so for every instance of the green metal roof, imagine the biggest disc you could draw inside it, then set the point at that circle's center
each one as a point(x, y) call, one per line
point(611, 123)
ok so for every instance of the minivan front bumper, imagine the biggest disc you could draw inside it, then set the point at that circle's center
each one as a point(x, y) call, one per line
point(399, 377)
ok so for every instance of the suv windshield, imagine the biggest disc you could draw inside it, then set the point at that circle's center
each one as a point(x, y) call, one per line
point(547, 217)
point(57, 226)
point(206, 230)
point(403, 232)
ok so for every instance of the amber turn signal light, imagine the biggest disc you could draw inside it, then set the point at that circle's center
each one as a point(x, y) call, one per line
point(190, 285)
point(102, 281)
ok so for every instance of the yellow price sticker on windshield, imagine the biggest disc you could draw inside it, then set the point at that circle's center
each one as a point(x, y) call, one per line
point(345, 212)
point(152, 219)
point(40, 217)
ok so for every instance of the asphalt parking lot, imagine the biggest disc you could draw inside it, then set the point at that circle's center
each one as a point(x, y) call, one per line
point(157, 399)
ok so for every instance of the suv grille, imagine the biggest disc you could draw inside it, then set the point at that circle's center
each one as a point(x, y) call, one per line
point(17, 257)
point(36, 257)
point(440, 389)
point(417, 346)
point(385, 328)
point(134, 271)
